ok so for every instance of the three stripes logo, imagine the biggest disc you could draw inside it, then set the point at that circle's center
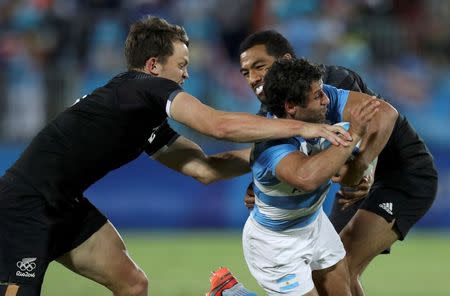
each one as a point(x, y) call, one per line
point(387, 206)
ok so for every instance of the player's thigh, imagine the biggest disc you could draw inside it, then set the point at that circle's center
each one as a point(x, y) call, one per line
point(103, 258)
point(338, 216)
point(330, 271)
point(280, 261)
point(365, 236)
point(328, 249)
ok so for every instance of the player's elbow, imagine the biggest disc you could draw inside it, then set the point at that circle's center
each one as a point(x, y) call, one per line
point(204, 174)
point(389, 113)
point(205, 180)
point(309, 187)
point(306, 183)
point(221, 131)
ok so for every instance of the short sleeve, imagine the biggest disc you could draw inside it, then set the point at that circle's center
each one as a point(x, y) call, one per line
point(338, 100)
point(161, 138)
point(267, 155)
point(153, 92)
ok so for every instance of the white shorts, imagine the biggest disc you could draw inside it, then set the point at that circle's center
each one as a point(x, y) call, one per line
point(282, 261)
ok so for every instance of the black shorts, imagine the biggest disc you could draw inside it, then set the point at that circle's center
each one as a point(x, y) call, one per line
point(32, 234)
point(405, 182)
point(406, 207)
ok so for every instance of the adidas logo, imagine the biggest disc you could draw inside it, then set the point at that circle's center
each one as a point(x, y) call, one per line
point(387, 206)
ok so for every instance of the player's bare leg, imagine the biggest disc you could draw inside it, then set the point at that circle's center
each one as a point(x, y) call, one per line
point(103, 258)
point(313, 292)
point(9, 289)
point(333, 280)
point(364, 237)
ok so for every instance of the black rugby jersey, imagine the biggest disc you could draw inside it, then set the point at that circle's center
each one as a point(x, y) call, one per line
point(405, 152)
point(101, 132)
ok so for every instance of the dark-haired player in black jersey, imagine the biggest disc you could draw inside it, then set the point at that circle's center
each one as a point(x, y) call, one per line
point(44, 215)
point(405, 180)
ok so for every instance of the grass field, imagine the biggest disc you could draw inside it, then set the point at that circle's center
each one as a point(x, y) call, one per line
point(179, 264)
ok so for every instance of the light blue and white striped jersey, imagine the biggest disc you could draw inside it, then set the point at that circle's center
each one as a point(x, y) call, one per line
point(338, 99)
point(279, 206)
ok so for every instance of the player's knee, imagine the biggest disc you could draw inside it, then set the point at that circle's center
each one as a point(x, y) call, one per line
point(346, 236)
point(135, 284)
point(355, 267)
point(354, 275)
point(140, 285)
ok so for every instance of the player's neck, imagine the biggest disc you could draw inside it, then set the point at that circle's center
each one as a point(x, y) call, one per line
point(140, 70)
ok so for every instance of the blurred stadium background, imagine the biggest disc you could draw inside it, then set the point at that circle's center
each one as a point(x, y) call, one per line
point(54, 51)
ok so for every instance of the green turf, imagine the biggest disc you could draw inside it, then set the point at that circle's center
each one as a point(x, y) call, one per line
point(179, 264)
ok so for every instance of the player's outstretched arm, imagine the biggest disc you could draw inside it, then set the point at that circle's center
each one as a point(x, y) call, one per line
point(188, 158)
point(378, 133)
point(243, 127)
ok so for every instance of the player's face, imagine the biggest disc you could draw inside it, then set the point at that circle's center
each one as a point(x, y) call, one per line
point(255, 62)
point(317, 103)
point(176, 66)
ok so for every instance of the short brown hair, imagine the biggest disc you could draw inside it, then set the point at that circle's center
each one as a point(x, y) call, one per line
point(152, 37)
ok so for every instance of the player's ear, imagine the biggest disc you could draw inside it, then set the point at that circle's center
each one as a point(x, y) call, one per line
point(287, 56)
point(290, 108)
point(152, 67)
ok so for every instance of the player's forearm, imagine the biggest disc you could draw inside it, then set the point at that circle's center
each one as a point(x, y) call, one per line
point(188, 158)
point(224, 166)
point(379, 129)
point(230, 126)
point(378, 134)
point(242, 127)
point(318, 169)
point(356, 172)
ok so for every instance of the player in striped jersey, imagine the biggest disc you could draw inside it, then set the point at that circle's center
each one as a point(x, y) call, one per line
point(290, 246)
point(405, 180)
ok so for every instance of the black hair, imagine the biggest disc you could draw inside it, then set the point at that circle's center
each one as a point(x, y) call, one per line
point(289, 80)
point(276, 44)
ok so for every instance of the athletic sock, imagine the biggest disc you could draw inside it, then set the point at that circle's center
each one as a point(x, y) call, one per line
point(238, 290)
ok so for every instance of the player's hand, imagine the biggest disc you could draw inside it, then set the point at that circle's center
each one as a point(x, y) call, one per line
point(249, 198)
point(337, 135)
point(351, 195)
point(362, 114)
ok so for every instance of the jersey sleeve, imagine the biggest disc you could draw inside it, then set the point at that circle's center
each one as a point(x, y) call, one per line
point(153, 92)
point(338, 99)
point(267, 155)
point(262, 110)
point(359, 84)
point(161, 138)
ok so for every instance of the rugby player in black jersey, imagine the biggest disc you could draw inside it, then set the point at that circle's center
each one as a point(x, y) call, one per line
point(45, 216)
point(404, 183)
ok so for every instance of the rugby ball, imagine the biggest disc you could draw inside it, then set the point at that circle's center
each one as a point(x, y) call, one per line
point(324, 143)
